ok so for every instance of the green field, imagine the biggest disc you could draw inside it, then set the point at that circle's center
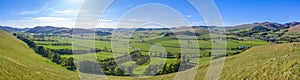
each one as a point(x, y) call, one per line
point(171, 44)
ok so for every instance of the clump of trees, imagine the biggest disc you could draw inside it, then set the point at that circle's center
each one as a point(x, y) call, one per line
point(110, 67)
point(62, 51)
point(163, 69)
point(70, 51)
point(56, 44)
point(27, 41)
point(181, 64)
point(138, 57)
point(49, 40)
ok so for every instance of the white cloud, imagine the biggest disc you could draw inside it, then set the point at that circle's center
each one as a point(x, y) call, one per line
point(44, 8)
point(53, 13)
point(51, 19)
point(40, 21)
point(64, 14)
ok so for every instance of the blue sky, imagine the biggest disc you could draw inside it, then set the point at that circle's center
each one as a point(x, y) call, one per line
point(62, 13)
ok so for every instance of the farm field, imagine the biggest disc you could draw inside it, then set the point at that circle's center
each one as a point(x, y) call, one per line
point(141, 45)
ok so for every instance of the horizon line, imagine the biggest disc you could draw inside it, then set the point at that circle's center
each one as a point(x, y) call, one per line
point(148, 27)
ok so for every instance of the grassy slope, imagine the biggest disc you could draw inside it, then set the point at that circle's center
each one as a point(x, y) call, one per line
point(18, 61)
point(266, 62)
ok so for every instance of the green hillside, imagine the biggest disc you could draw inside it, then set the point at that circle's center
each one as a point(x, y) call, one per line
point(268, 62)
point(20, 62)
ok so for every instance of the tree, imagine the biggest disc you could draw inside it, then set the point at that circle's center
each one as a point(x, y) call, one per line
point(170, 55)
point(105, 49)
point(56, 58)
point(178, 56)
point(110, 70)
point(41, 51)
point(14, 34)
point(64, 61)
point(70, 64)
point(118, 71)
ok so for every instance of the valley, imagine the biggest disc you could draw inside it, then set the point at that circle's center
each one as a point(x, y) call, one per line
point(263, 46)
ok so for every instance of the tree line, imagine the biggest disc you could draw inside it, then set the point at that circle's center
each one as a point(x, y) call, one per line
point(162, 69)
point(107, 66)
point(55, 44)
point(70, 51)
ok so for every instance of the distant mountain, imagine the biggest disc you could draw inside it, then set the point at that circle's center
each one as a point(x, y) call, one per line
point(204, 26)
point(291, 24)
point(294, 29)
point(57, 30)
point(7, 28)
point(49, 29)
point(264, 26)
point(267, 26)
point(141, 29)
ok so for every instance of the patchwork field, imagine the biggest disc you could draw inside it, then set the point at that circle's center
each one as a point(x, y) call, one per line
point(143, 41)
point(157, 54)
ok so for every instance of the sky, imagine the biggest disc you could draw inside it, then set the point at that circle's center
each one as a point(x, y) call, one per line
point(63, 13)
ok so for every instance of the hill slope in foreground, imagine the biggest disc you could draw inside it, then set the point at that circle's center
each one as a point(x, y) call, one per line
point(18, 61)
point(268, 62)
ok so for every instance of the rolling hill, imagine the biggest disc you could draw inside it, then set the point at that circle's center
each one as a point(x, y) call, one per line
point(20, 62)
point(267, 62)
point(49, 29)
point(294, 29)
point(7, 28)
point(266, 26)
point(59, 30)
